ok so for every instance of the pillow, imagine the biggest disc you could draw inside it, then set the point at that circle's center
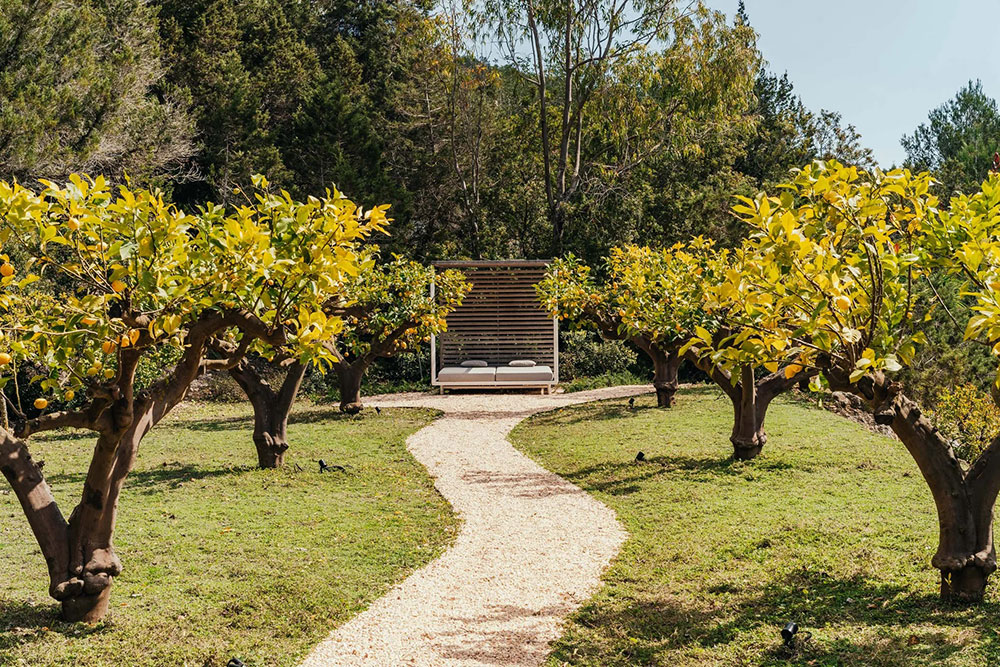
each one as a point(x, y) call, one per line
point(522, 363)
point(475, 363)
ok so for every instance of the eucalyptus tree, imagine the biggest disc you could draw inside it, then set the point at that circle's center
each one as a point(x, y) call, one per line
point(617, 82)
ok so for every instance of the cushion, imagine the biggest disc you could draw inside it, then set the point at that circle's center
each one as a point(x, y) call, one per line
point(456, 374)
point(524, 374)
point(522, 363)
point(474, 363)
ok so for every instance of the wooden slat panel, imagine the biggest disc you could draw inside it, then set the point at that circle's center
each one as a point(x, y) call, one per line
point(501, 318)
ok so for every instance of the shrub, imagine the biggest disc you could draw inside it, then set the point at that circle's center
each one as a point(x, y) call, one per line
point(586, 354)
point(968, 416)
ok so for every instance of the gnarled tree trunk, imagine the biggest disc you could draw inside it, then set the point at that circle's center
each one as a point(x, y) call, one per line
point(964, 499)
point(666, 362)
point(80, 553)
point(748, 436)
point(751, 397)
point(349, 377)
point(270, 409)
point(665, 366)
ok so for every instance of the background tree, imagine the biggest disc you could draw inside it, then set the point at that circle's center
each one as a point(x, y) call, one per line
point(248, 71)
point(605, 95)
point(957, 142)
point(389, 308)
point(81, 88)
point(129, 275)
point(648, 297)
point(835, 141)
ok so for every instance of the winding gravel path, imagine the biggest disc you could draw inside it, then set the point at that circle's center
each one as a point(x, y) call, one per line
point(530, 550)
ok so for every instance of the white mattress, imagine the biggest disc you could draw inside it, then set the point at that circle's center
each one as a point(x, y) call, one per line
point(490, 374)
point(466, 374)
point(524, 374)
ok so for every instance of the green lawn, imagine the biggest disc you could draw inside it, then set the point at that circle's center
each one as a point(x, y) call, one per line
point(833, 528)
point(224, 560)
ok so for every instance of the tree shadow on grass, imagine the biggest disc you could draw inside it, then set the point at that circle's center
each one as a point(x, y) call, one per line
point(167, 476)
point(724, 614)
point(26, 622)
point(624, 477)
point(304, 416)
point(601, 411)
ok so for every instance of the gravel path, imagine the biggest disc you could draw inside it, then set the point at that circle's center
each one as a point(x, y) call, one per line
point(531, 547)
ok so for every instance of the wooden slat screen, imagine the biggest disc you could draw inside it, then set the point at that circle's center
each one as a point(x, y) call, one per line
point(501, 319)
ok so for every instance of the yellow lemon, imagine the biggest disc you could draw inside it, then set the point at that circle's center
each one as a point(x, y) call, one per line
point(6, 270)
point(70, 394)
point(41, 403)
point(4, 358)
point(108, 347)
point(109, 373)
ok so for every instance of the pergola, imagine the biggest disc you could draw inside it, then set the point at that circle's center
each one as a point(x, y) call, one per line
point(501, 321)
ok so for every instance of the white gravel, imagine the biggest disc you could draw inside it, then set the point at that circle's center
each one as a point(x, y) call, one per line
point(530, 550)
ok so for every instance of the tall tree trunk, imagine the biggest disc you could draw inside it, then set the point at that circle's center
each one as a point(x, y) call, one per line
point(270, 409)
point(349, 377)
point(665, 365)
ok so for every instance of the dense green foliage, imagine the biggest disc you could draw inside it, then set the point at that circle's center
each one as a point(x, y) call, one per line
point(958, 141)
point(419, 104)
point(585, 354)
point(722, 554)
point(80, 90)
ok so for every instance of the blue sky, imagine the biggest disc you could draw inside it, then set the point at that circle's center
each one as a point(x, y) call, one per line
point(883, 65)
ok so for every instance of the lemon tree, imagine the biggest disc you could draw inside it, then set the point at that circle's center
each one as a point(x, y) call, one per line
point(113, 275)
point(832, 278)
point(649, 297)
point(391, 308)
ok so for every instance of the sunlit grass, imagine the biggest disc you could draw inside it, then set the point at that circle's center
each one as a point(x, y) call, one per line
point(833, 528)
point(222, 559)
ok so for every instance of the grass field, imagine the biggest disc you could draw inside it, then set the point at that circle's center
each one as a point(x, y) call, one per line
point(224, 560)
point(833, 529)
